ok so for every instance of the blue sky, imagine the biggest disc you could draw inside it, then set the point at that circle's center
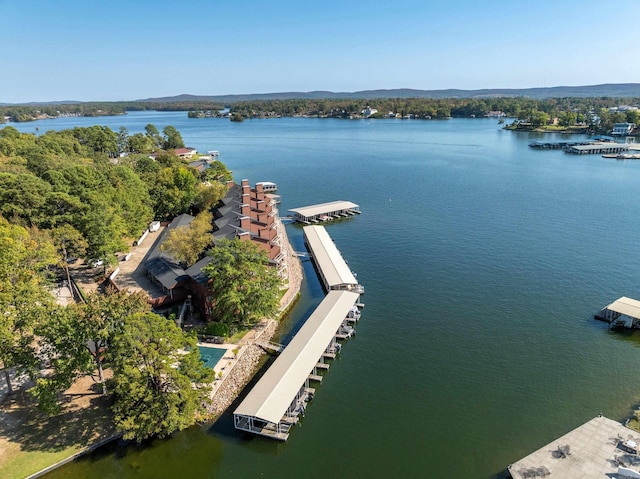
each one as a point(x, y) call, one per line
point(126, 50)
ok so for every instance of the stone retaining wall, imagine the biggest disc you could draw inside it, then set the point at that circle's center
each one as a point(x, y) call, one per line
point(243, 370)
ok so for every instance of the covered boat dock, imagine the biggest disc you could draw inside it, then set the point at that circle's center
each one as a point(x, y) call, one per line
point(274, 404)
point(332, 268)
point(622, 312)
point(603, 148)
point(325, 212)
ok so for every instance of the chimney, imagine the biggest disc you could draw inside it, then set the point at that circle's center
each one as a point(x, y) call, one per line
point(230, 184)
point(245, 222)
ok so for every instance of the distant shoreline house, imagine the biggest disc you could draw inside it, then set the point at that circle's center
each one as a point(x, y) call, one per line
point(623, 129)
point(245, 213)
point(368, 111)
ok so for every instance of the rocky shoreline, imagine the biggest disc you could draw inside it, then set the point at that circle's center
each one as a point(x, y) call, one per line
point(244, 368)
point(246, 364)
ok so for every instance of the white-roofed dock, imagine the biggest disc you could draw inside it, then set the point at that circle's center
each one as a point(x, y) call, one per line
point(332, 268)
point(325, 212)
point(622, 312)
point(274, 404)
point(599, 148)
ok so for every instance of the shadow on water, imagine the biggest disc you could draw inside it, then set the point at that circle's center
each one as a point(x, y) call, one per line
point(630, 336)
point(224, 426)
point(504, 474)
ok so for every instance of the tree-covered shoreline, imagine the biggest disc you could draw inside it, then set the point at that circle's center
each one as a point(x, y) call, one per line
point(88, 193)
point(594, 113)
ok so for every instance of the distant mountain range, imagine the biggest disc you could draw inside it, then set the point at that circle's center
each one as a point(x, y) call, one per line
point(618, 90)
point(622, 90)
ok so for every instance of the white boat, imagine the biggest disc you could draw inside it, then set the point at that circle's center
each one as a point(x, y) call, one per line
point(268, 186)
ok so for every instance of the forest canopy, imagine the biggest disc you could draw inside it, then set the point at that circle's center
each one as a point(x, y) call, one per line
point(100, 184)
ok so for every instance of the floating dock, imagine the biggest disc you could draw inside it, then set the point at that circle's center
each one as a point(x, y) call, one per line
point(601, 448)
point(558, 145)
point(605, 148)
point(623, 312)
point(325, 212)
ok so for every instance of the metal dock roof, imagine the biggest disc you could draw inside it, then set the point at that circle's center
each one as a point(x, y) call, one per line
point(324, 208)
point(274, 392)
point(330, 262)
point(627, 306)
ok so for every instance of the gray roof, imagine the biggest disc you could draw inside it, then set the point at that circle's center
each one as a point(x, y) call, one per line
point(233, 194)
point(274, 392)
point(162, 266)
point(195, 271)
point(165, 271)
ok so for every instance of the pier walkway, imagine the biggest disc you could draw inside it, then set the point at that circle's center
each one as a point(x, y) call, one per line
point(325, 212)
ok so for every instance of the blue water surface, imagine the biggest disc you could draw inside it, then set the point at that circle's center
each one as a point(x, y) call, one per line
point(483, 261)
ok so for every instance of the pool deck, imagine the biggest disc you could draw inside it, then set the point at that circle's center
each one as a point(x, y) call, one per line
point(226, 360)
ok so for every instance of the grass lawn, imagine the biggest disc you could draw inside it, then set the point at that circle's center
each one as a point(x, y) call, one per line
point(30, 441)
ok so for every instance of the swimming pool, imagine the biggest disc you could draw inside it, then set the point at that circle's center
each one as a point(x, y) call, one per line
point(211, 356)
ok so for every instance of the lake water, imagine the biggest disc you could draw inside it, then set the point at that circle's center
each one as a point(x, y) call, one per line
point(483, 261)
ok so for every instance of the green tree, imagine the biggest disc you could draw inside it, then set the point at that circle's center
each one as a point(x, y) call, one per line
point(209, 194)
point(154, 135)
point(24, 297)
point(539, 118)
point(160, 382)
point(122, 139)
point(75, 342)
point(104, 231)
point(244, 288)
point(173, 191)
point(567, 118)
point(633, 116)
point(187, 243)
point(100, 320)
point(130, 197)
point(172, 138)
point(218, 171)
point(139, 143)
point(23, 197)
point(70, 244)
point(60, 346)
